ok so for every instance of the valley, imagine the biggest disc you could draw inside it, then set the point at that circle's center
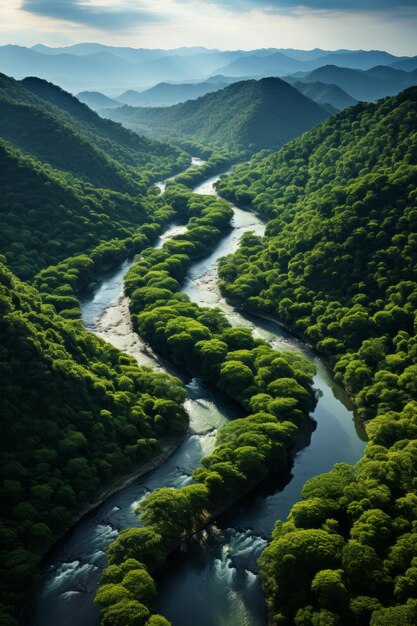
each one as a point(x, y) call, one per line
point(208, 291)
point(227, 552)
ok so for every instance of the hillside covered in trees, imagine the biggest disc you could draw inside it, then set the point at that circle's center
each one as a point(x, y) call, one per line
point(248, 115)
point(75, 413)
point(69, 179)
point(338, 265)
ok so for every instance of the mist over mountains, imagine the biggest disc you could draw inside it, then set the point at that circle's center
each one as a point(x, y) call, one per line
point(97, 67)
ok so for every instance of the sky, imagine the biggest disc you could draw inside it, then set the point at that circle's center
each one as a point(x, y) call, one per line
point(227, 24)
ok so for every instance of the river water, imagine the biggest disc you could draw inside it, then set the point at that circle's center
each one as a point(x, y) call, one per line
point(213, 581)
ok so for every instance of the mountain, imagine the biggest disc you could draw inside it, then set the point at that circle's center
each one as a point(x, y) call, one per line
point(250, 115)
point(368, 86)
point(175, 67)
point(168, 94)
point(326, 94)
point(287, 62)
point(357, 59)
point(69, 178)
point(68, 70)
point(165, 94)
point(304, 55)
point(367, 57)
point(100, 66)
point(339, 265)
point(385, 72)
point(96, 100)
point(129, 96)
point(408, 65)
point(96, 67)
point(52, 126)
point(134, 55)
point(256, 65)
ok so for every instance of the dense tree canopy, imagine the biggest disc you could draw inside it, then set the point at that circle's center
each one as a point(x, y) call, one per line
point(69, 179)
point(75, 412)
point(338, 264)
point(246, 369)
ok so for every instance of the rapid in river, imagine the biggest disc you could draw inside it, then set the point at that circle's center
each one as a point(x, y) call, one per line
point(213, 581)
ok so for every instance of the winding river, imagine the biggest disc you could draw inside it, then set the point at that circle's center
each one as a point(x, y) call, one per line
point(213, 581)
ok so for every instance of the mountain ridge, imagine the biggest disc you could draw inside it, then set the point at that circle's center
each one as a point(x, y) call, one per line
point(260, 114)
point(69, 178)
point(90, 66)
point(363, 85)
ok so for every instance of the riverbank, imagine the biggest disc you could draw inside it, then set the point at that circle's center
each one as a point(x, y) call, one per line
point(69, 587)
point(169, 447)
point(118, 484)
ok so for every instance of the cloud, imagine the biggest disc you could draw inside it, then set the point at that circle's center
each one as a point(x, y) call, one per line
point(289, 7)
point(88, 13)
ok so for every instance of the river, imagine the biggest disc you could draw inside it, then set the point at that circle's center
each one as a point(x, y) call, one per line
point(213, 581)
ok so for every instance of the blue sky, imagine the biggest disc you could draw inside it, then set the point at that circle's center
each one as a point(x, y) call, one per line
point(226, 24)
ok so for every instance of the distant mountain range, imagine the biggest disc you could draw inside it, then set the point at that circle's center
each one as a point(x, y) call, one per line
point(326, 95)
point(96, 100)
point(96, 67)
point(280, 64)
point(369, 85)
point(166, 94)
point(250, 114)
point(333, 87)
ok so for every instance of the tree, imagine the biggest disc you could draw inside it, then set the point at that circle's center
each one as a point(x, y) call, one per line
point(125, 613)
point(330, 590)
point(140, 585)
point(143, 544)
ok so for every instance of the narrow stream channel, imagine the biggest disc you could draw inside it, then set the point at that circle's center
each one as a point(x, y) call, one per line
point(213, 582)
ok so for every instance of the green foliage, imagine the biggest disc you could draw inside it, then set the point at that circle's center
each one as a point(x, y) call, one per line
point(215, 164)
point(203, 341)
point(62, 283)
point(125, 613)
point(338, 264)
point(69, 179)
point(250, 115)
point(75, 414)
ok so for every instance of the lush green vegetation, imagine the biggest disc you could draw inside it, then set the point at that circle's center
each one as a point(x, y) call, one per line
point(75, 413)
point(273, 387)
point(249, 115)
point(215, 164)
point(53, 127)
point(339, 265)
point(60, 284)
point(69, 179)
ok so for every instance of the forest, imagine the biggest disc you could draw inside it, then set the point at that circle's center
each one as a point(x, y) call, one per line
point(75, 413)
point(69, 179)
point(338, 265)
point(273, 387)
point(247, 116)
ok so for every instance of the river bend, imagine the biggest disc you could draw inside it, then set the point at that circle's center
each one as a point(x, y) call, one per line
point(213, 581)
